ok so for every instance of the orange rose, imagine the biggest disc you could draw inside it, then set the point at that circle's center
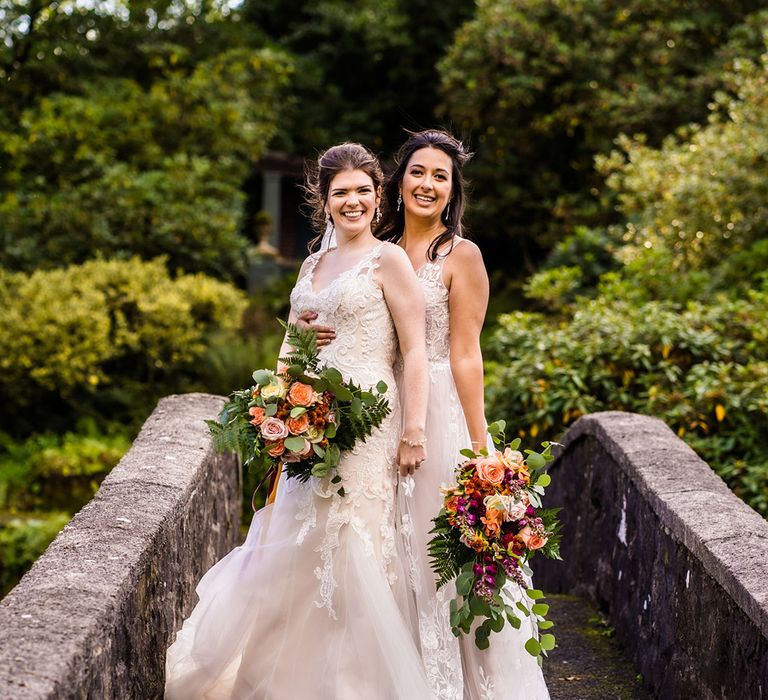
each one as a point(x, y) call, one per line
point(301, 394)
point(275, 449)
point(490, 471)
point(258, 415)
point(297, 426)
point(452, 504)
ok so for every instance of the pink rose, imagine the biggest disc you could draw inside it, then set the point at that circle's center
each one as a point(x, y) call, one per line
point(273, 429)
point(490, 470)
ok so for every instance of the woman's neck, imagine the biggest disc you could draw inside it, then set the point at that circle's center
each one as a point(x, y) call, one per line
point(420, 230)
point(354, 242)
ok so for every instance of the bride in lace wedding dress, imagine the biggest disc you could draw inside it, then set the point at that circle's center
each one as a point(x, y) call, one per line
point(314, 603)
point(424, 204)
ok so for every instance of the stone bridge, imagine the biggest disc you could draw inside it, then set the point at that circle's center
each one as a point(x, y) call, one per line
point(664, 578)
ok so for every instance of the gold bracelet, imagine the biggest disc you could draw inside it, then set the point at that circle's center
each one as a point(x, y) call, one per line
point(413, 443)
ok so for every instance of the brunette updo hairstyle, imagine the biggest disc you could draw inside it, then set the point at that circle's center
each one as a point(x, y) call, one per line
point(345, 156)
point(392, 222)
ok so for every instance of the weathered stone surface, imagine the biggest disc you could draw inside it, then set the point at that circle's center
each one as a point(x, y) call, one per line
point(94, 616)
point(659, 543)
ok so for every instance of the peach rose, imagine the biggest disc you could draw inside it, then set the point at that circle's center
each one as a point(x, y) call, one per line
point(275, 449)
point(490, 470)
point(296, 426)
point(257, 413)
point(273, 429)
point(492, 521)
point(532, 540)
point(301, 394)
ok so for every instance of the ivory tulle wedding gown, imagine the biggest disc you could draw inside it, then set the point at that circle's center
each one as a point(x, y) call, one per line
point(456, 669)
point(313, 605)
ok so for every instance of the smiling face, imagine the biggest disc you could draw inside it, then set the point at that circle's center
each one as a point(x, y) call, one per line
point(352, 201)
point(427, 182)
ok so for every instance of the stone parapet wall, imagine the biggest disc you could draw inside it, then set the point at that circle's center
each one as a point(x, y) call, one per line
point(680, 565)
point(94, 616)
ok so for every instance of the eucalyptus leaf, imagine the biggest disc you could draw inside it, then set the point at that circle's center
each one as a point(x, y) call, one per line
point(547, 642)
point(262, 377)
point(533, 647)
point(294, 444)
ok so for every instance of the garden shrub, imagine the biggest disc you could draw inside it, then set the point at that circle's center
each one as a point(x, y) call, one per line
point(702, 368)
point(22, 540)
point(79, 337)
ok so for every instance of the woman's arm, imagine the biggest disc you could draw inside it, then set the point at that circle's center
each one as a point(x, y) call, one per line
point(468, 302)
point(406, 304)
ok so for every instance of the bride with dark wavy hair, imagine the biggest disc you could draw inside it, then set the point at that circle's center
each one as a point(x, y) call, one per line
point(422, 209)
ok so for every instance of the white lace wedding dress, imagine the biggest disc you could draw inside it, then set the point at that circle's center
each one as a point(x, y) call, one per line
point(312, 604)
point(456, 668)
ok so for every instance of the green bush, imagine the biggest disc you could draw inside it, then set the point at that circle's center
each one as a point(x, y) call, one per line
point(101, 335)
point(58, 472)
point(703, 369)
point(22, 540)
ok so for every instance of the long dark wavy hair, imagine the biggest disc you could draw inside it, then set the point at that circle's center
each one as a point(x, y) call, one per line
point(392, 223)
point(344, 156)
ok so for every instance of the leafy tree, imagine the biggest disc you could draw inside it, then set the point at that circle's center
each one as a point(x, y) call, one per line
point(365, 69)
point(121, 170)
point(545, 85)
point(696, 206)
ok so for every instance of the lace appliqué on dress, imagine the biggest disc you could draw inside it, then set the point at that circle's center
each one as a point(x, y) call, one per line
point(364, 351)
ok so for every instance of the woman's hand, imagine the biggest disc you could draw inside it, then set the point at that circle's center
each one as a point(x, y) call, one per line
point(412, 453)
point(325, 334)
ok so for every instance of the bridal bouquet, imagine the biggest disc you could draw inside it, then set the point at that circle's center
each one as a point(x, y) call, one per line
point(489, 527)
point(300, 419)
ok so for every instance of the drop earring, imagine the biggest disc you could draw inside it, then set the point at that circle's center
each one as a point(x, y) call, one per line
point(448, 211)
point(399, 200)
point(377, 218)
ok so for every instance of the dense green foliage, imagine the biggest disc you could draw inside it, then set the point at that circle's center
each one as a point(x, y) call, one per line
point(120, 170)
point(44, 480)
point(22, 540)
point(545, 85)
point(102, 337)
point(679, 328)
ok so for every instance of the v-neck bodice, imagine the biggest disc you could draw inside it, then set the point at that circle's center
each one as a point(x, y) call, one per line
point(353, 304)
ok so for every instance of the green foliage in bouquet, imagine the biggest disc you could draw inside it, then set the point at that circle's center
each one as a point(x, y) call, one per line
point(490, 526)
point(315, 415)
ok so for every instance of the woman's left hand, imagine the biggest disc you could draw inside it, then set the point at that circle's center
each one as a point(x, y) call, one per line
point(410, 458)
point(325, 334)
